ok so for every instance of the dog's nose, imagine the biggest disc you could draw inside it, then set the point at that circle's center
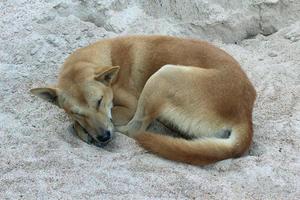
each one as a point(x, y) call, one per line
point(104, 137)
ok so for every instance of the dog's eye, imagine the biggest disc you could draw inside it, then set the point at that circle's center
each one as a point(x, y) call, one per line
point(99, 103)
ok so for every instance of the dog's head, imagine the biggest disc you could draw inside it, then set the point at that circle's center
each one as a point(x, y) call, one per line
point(87, 97)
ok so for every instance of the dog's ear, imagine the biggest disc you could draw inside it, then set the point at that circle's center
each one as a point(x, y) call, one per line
point(108, 75)
point(49, 94)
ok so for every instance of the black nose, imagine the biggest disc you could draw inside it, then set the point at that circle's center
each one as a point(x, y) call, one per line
point(104, 137)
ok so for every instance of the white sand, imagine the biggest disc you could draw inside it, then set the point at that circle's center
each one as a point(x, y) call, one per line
point(40, 159)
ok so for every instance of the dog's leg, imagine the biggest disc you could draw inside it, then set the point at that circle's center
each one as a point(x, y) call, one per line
point(141, 119)
point(121, 115)
point(139, 122)
point(148, 109)
point(81, 134)
point(165, 96)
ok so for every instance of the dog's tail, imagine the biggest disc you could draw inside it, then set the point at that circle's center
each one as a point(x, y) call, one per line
point(199, 151)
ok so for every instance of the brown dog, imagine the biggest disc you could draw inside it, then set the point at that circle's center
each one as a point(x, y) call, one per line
point(190, 85)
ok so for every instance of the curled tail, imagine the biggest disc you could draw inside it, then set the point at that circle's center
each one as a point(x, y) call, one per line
point(199, 151)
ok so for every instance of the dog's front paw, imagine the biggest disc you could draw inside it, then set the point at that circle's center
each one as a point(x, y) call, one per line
point(127, 131)
point(122, 129)
point(81, 134)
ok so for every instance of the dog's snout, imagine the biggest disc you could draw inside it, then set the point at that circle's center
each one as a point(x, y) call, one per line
point(104, 137)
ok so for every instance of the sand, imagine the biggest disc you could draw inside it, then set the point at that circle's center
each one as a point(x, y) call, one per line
point(41, 159)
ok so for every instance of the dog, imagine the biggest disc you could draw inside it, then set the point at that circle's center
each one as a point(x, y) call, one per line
point(191, 86)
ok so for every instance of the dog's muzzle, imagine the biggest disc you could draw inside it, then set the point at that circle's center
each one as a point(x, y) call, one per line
point(83, 134)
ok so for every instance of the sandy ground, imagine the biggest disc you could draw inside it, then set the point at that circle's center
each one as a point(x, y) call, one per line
point(41, 159)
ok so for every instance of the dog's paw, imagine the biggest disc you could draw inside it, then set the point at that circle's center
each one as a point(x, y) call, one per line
point(82, 135)
point(122, 129)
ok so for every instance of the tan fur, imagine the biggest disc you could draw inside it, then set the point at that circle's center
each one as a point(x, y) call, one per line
point(189, 84)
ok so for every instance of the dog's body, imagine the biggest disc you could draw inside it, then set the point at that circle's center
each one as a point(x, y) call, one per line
point(188, 84)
